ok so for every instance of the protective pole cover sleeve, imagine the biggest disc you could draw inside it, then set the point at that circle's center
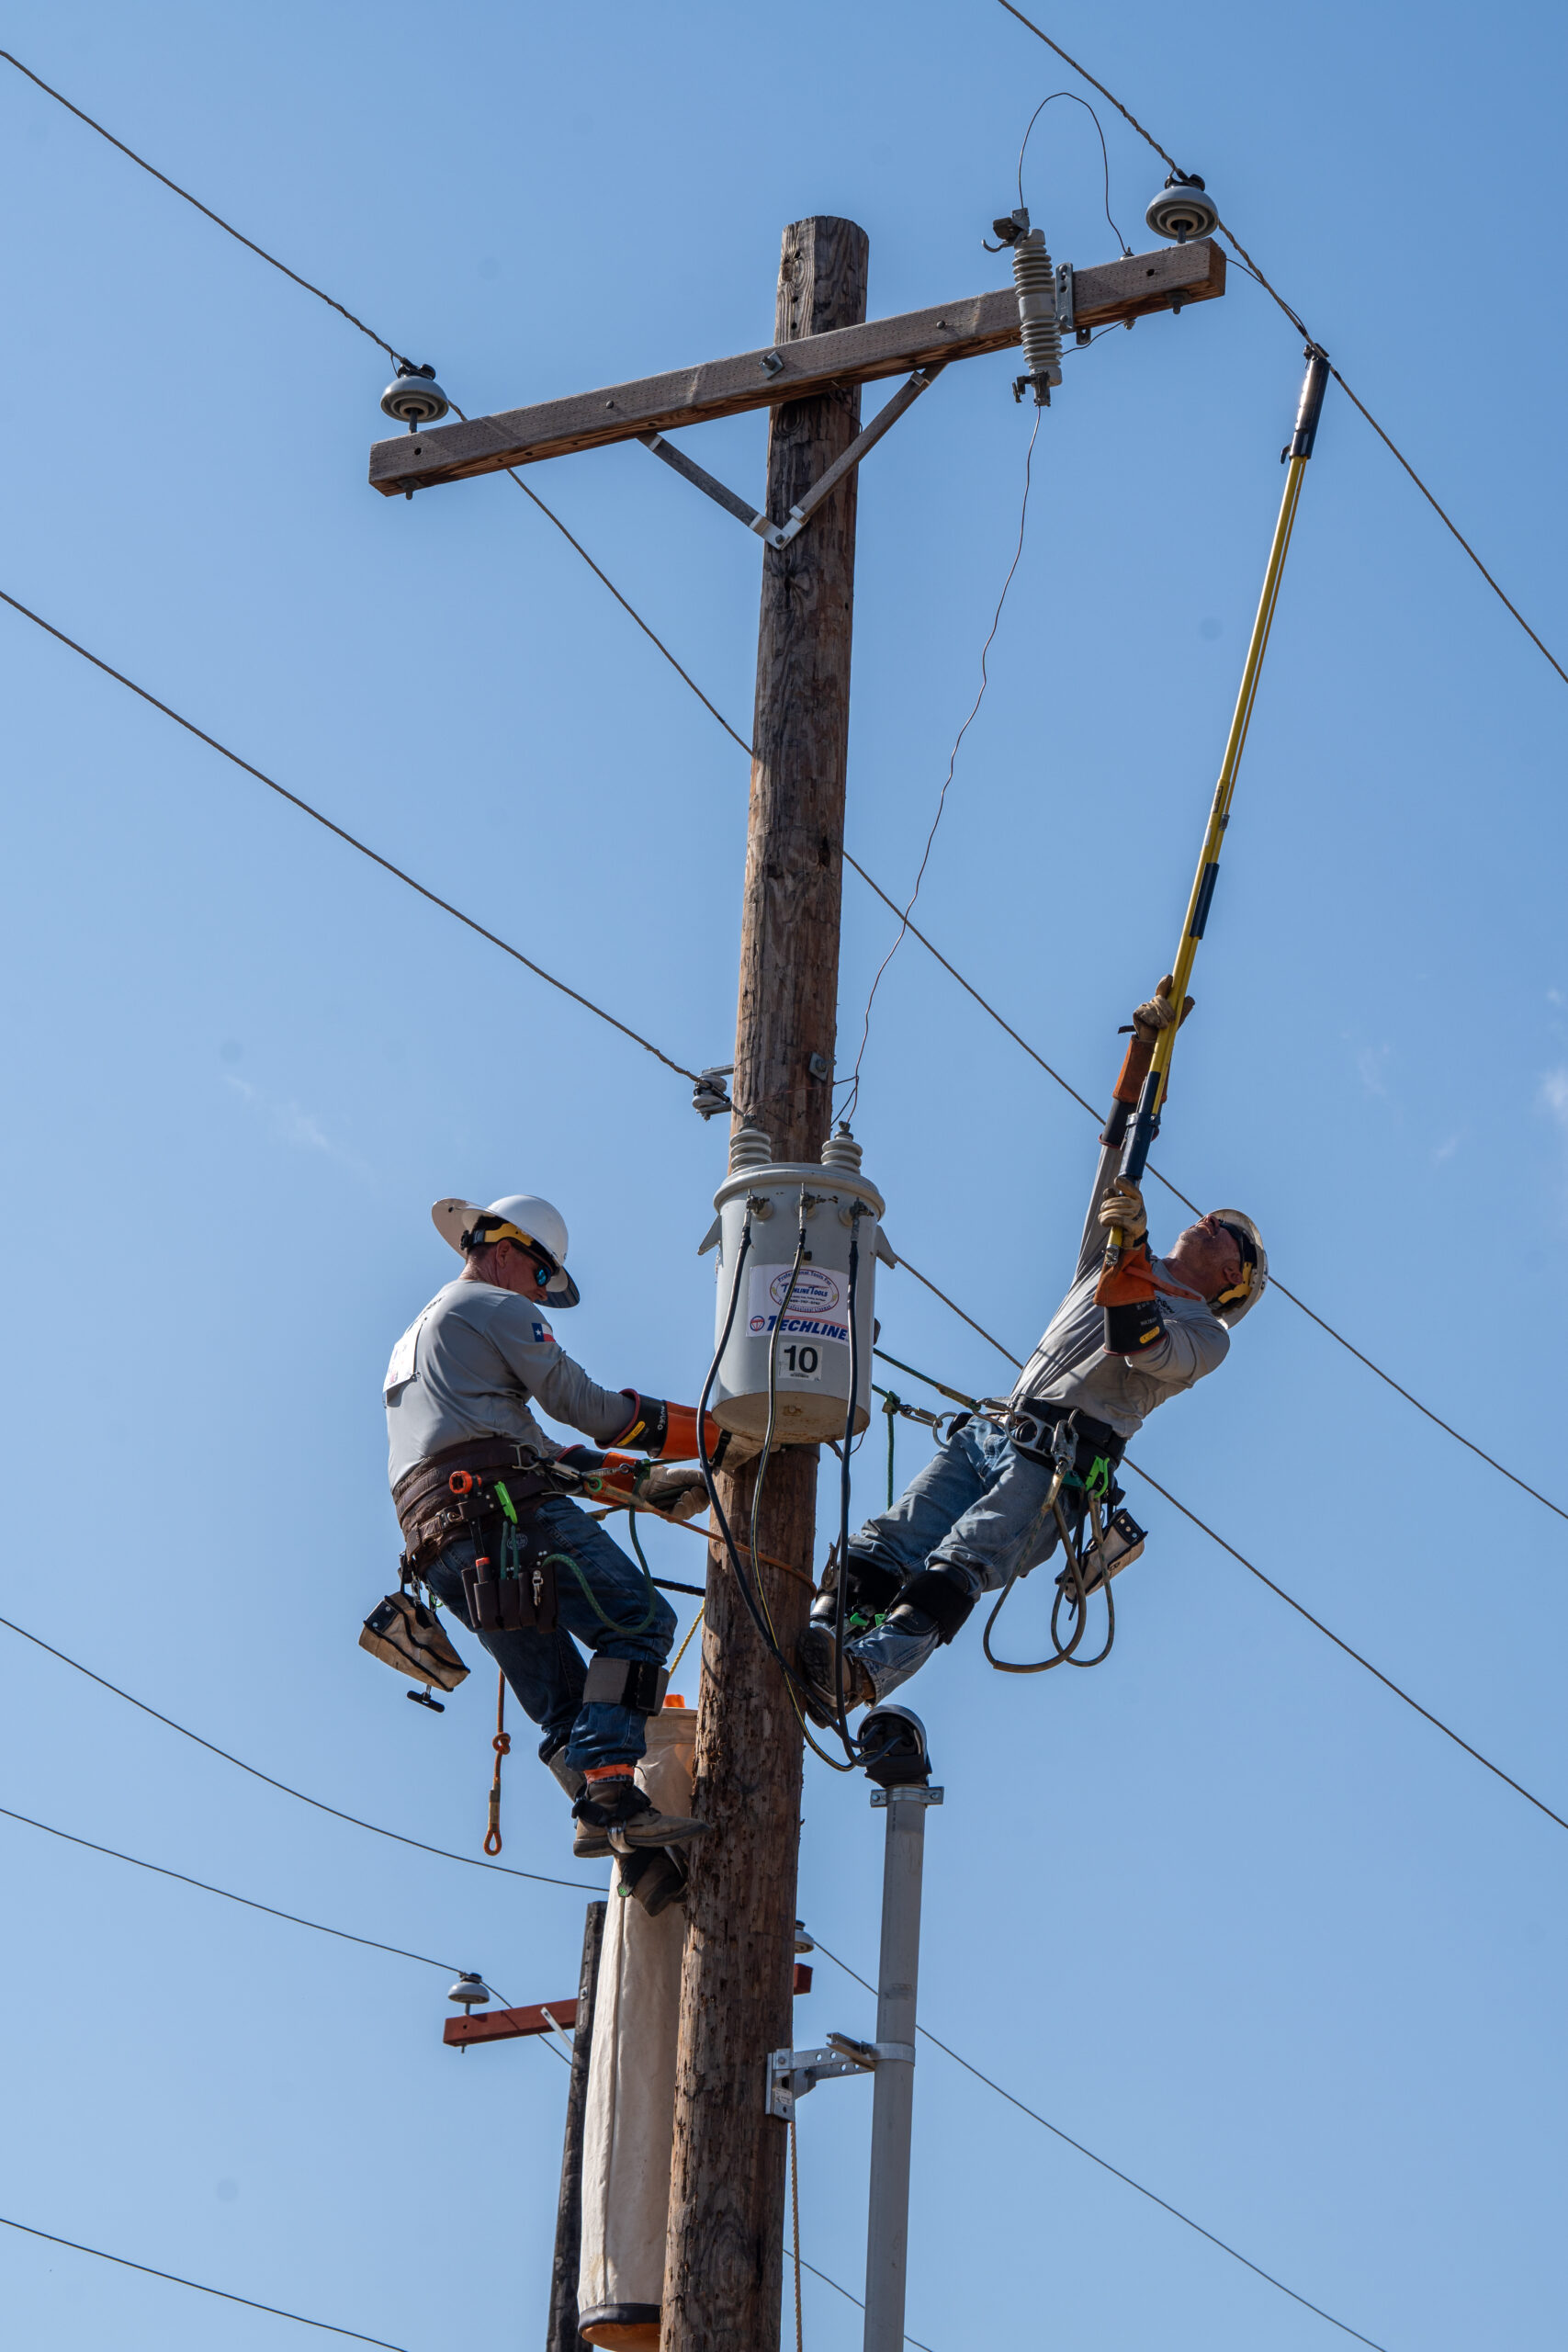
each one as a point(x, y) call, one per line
point(631, 2123)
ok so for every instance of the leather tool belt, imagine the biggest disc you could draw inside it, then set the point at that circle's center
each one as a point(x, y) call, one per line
point(1066, 1437)
point(453, 1490)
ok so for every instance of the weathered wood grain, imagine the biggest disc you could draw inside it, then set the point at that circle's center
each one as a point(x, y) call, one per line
point(844, 355)
point(723, 2266)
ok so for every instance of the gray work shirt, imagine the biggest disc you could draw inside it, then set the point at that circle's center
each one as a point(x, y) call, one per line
point(469, 1366)
point(1071, 1367)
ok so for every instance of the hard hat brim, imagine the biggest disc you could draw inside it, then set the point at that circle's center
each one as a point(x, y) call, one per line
point(453, 1218)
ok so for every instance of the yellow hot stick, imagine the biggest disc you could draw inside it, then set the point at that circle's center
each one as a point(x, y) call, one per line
point(1157, 1082)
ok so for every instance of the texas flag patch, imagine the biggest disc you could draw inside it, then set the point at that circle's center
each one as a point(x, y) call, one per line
point(542, 1332)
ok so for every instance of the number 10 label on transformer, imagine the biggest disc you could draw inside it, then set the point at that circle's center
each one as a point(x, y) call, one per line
point(816, 1316)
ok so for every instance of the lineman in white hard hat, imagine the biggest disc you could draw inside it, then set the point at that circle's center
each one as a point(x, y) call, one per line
point(985, 1510)
point(482, 1497)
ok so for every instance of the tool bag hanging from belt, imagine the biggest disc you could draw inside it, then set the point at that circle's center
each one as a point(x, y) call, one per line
point(490, 1488)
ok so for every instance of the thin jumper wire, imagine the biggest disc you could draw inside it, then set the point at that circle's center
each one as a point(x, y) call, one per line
point(353, 839)
point(371, 1942)
point(470, 1861)
point(740, 741)
point(274, 2310)
point(1275, 296)
point(1104, 157)
point(1104, 2163)
point(848, 2298)
point(853, 1095)
point(1279, 1591)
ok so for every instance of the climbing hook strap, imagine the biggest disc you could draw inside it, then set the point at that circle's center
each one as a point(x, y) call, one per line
point(501, 1744)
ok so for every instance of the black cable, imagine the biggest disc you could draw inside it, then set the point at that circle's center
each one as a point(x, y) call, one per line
point(343, 835)
point(749, 749)
point(1104, 157)
point(846, 2294)
point(1253, 271)
point(1104, 2163)
point(293, 1917)
point(470, 1861)
point(274, 2310)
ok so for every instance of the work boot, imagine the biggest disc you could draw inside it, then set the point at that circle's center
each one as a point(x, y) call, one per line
point(613, 1808)
point(814, 1660)
point(896, 1649)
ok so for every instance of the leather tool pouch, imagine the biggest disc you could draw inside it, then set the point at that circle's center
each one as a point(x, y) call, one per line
point(403, 1633)
point(511, 1588)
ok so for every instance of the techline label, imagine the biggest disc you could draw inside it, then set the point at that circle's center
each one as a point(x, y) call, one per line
point(817, 1315)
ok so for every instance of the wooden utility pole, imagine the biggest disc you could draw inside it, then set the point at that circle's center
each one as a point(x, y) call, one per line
point(561, 2333)
point(724, 2264)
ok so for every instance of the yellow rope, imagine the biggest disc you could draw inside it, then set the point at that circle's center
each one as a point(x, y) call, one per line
point(687, 1643)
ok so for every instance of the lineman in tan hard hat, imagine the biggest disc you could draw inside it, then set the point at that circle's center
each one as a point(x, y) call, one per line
point(986, 1509)
point(482, 1497)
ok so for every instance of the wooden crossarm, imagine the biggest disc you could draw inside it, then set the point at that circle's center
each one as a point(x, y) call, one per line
point(507, 2025)
point(964, 330)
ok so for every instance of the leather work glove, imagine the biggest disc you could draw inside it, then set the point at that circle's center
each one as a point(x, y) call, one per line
point(1123, 1205)
point(677, 1491)
point(1158, 1011)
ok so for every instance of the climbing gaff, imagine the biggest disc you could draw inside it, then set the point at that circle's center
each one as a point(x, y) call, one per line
point(1145, 1124)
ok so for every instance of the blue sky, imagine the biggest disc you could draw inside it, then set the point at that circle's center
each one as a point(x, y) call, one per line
point(1223, 1910)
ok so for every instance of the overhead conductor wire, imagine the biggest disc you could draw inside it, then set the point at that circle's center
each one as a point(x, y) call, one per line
point(1253, 271)
point(740, 741)
point(1279, 1591)
point(1104, 2163)
point(274, 2310)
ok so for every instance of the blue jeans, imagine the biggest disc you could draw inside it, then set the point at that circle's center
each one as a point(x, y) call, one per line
point(977, 1509)
point(547, 1671)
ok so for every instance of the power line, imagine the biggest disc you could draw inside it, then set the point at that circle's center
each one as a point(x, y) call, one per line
point(228, 228)
point(1436, 1721)
point(274, 2310)
point(1105, 2165)
point(449, 1967)
point(381, 343)
point(845, 2292)
point(1177, 1193)
point(1253, 271)
point(748, 749)
point(352, 839)
point(472, 1861)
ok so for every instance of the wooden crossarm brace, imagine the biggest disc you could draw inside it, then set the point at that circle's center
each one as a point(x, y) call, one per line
point(508, 2025)
point(1171, 278)
point(778, 534)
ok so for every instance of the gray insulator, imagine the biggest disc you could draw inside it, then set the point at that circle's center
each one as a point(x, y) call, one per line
point(1036, 282)
point(1182, 209)
point(471, 1991)
point(415, 401)
point(840, 1151)
point(749, 1148)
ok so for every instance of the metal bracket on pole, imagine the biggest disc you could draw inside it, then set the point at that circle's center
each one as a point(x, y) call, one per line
point(793, 2073)
point(1065, 322)
point(778, 534)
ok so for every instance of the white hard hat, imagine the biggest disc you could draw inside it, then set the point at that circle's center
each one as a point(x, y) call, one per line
point(1231, 1305)
point(517, 1216)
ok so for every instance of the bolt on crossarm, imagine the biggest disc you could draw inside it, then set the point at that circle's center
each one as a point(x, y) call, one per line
point(1145, 1124)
